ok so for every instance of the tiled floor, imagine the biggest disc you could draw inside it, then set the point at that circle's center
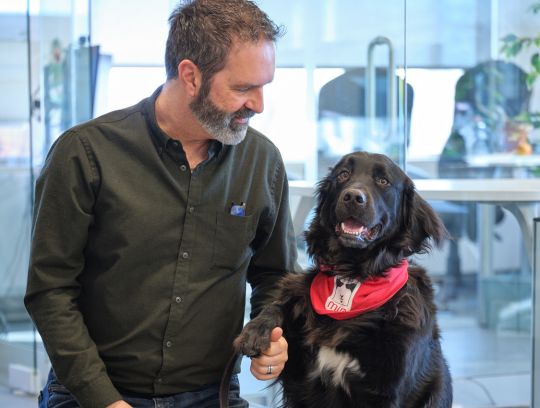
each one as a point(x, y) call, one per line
point(502, 391)
point(9, 399)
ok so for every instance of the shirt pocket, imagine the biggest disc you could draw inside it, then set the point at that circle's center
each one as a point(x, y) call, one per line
point(232, 241)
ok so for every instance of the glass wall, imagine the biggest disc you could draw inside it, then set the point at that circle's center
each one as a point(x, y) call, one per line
point(447, 88)
point(488, 135)
point(48, 74)
point(15, 187)
point(468, 113)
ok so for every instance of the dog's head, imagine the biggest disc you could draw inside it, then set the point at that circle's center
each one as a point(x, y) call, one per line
point(368, 208)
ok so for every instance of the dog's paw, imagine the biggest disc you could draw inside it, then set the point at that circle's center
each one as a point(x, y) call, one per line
point(254, 339)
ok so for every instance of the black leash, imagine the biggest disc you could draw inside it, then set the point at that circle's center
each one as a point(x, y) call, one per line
point(225, 383)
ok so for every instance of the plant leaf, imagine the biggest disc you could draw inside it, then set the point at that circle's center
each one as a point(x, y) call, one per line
point(535, 62)
point(534, 119)
point(531, 77)
point(535, 7)
point(515, 48)
point(509, 38)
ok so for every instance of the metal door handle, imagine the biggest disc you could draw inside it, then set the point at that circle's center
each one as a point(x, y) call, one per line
point(391, 101)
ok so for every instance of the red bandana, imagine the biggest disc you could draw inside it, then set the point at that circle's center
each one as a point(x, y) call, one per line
point(343, 298)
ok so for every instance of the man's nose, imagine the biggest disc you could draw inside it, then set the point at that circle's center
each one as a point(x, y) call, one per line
point(255, 101)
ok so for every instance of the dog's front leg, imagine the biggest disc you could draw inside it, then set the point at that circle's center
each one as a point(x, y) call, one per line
point(255, 337)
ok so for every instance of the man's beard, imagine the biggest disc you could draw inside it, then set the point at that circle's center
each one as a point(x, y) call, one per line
point(219, 124)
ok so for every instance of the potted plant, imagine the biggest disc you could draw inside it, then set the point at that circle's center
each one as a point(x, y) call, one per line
point(513, 45)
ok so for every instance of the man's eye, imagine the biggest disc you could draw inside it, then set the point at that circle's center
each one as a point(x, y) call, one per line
point(382, 181)
point(343, 175)
point(243, 89)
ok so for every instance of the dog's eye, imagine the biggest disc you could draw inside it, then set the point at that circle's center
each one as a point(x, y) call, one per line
point(382, 181)
point(343, 175)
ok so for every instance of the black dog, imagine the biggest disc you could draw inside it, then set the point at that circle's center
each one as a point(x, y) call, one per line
point(361, 324)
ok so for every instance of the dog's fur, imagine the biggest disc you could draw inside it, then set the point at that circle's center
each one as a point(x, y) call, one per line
point(387, 357)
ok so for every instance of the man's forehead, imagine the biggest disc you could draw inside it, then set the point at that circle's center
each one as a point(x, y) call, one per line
point(250, 64)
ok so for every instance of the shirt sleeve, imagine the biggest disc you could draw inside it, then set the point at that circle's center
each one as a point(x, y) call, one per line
point(63, 213)
point(277, 253)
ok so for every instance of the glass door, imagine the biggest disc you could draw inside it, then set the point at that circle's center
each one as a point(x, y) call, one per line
point(473, 121)
point(46, 67)
point(339, 87)
point(339, 84)
point(15, 186)
point(434, 85)
point(63, 69)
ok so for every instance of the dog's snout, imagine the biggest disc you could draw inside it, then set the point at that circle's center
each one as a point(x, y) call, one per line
point(355, 196)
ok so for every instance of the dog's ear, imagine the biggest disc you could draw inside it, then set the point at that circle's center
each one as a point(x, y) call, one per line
point(323, 191)
point(316, 235)
point(420, 222)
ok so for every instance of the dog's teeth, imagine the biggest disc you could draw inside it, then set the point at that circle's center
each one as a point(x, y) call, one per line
point(352, 231)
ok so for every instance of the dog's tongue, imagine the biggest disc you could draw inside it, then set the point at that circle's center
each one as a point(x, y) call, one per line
point(353, 227)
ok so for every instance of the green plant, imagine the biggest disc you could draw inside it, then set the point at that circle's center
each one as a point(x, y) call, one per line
point(512, 45)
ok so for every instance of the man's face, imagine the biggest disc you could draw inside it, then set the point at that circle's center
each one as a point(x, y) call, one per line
point(228, 128)
point(224, 105)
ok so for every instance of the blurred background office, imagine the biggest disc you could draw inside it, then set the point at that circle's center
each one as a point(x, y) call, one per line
point(447, 88)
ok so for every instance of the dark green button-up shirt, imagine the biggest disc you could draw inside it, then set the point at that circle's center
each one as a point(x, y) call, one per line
point(138, 269)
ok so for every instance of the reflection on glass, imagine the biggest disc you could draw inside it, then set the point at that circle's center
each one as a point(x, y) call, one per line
point(47, 72)
point(489, 100)
point(15, 188)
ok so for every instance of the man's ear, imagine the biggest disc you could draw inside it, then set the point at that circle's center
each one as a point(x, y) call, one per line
point(190, 76)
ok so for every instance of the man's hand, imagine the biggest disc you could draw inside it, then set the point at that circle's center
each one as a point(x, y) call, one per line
point(272, 360)
point(119, 404)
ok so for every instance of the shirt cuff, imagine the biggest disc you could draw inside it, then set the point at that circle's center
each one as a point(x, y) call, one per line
point(98, 394)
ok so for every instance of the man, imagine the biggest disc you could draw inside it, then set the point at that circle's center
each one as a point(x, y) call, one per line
point(150, 220)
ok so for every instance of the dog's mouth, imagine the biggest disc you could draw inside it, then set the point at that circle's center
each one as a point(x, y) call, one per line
point(352, 229)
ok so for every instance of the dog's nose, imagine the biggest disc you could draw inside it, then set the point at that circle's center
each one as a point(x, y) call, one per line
point(354, 196)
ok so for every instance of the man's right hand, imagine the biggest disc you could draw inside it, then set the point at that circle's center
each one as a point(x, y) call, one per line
point(119, 404)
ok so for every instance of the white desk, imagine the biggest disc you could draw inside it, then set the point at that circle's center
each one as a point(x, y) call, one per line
point(503, 160)
point(505, 164)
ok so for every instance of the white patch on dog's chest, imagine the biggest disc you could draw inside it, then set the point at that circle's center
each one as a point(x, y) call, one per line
point(336, 366)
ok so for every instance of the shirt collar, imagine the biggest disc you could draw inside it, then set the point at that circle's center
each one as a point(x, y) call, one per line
point(158, 136)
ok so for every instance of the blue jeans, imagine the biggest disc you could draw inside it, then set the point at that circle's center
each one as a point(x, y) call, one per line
point(55, 395)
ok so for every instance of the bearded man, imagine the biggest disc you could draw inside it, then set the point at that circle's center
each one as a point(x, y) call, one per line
point(149, 221)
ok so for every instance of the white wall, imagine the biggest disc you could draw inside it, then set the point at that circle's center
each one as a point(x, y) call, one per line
point(13, 82)
point(133, 32)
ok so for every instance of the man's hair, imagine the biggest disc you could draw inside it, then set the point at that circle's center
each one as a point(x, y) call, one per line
point(203, 31)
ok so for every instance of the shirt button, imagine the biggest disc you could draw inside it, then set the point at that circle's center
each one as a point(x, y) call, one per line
point(178, 299)
point(168, 344)
point(191, 209)
point(185, 255)
point(183, 167)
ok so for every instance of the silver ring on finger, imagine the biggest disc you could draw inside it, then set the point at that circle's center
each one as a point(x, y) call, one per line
point(269, 370)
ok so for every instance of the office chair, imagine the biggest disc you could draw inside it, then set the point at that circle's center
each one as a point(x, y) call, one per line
point(342, 107)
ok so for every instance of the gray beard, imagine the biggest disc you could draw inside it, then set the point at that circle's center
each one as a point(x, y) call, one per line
point(225, 132)
point(217, 123)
